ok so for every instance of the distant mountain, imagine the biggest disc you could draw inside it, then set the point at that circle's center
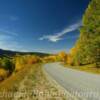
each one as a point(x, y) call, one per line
point(12, 53)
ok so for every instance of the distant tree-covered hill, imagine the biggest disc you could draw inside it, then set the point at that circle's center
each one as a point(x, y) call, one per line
point(88, 45)
point(12, 53)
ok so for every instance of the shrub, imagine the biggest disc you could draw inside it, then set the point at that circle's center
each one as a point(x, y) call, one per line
point(3, 74)
point(33, 59)
point(62, 56)
point(26, 60)
point(19, 63)
point(7, 64)
point(51, 58)
point(69, 60)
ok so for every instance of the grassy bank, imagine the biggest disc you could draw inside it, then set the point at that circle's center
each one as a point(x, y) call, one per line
point(29, 83)
point(11, 84)
point(86, 68)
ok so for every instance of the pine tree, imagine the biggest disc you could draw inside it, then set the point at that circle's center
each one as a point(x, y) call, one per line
point(89, 41)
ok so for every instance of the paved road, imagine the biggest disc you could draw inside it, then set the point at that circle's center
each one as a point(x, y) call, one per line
point(85, 86)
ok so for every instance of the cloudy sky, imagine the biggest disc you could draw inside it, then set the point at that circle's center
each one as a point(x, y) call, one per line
point(40, 25)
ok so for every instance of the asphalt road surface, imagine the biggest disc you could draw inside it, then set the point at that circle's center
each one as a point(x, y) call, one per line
point(83, 85)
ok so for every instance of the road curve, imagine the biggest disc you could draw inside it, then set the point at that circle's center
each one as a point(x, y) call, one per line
point(85, 86)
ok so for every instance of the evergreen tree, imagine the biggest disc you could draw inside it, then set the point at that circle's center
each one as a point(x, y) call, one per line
point(89, 41)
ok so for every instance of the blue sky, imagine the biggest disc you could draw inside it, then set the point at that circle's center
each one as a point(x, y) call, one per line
point(40, 25)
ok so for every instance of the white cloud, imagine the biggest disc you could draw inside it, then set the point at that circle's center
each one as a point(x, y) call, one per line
point(51, 51)
point(6, 32)
point(58, 36)
point(13, 18)
point(9, 17)
point(8, 45)
point(4, 37)
point(8, 42)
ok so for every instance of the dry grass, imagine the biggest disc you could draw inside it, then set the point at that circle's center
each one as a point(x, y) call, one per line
point(11, 84)
point(30, 81)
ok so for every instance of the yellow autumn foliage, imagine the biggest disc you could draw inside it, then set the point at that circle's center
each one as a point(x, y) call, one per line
point(3, 74)
point(62, 56)
point(22, 61)
point(69, 59)
point(19, 64)
point(51, 58)
point(33, 59)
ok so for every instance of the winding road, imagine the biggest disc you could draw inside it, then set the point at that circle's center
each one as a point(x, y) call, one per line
point(83, 85)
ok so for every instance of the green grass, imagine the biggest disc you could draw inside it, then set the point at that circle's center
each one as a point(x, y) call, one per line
point(86, 68)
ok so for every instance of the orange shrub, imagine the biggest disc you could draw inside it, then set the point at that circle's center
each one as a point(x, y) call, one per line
point(33, 59)
point(22, 61)
point(51, 58)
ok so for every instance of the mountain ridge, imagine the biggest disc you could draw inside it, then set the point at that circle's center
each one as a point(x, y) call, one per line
point(12, 53)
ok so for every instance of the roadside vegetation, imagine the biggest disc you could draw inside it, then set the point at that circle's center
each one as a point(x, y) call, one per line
point(87, 48)
point(22, 77)
point(85, 55)
point(11, 65)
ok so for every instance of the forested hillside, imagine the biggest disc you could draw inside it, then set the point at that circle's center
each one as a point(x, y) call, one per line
point(13, 53)
point(87, 48)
